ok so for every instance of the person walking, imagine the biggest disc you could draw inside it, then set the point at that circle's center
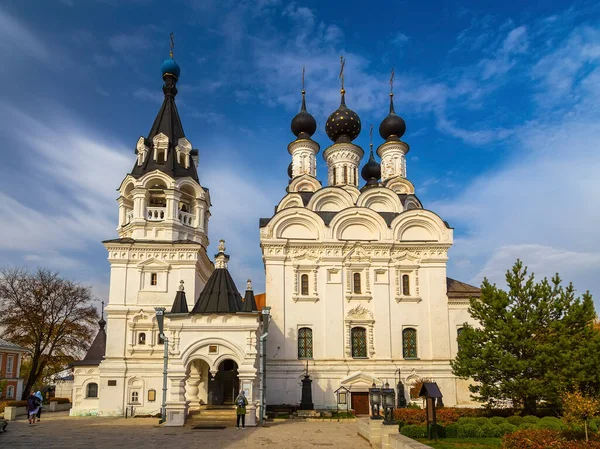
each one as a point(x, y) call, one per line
point(33, 404)
point(240, 406)
point(41, 398)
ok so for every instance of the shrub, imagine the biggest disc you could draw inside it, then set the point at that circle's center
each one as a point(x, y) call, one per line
point(469, 431)
point(452, 430)
point(476, 421)
point(410, 416)
point(12, 404)
point(531, 419)
point(498, 420)
point(414, 431)
point(544, 439)
point(515, 420)
point(532, 439)
point(445, 415)
point(595, 424)
point(527, 425)
point(490, 430)
point(550, 423)
point(506, 428)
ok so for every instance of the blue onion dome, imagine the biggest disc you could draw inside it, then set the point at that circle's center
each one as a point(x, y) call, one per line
point(290, 172)
point(393, 126)
point(169, 66)
point(303, 124)
point(371, 172)
point(343, 125)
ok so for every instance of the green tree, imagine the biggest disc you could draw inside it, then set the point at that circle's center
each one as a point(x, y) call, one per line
point(534, 341)
point(52, 317)
point(579, 408)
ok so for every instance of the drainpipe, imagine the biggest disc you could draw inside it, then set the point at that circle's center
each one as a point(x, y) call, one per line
point(266, 317)
point(160, 317)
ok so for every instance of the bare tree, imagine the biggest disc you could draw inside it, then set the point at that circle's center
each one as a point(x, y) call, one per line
point(52, 317)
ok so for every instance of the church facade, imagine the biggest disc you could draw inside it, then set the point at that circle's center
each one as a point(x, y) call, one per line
point(355, 281)
point(356, 275)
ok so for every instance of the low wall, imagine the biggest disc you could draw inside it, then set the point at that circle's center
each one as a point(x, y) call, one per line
point(11, 413)
point(383, 436)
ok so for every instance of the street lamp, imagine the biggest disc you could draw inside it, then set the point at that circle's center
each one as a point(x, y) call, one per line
point(389, 396)
point(375, 399)
point(160, 319)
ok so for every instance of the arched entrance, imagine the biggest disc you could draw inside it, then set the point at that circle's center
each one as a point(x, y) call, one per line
point(225, 385)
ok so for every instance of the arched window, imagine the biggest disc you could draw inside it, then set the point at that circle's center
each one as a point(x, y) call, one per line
point(359, 342)
point(357, 288)
point(153, 278)
point(92, 390)
point(459, 331)
point(160, 157)
point(10, 392)
point(135, 397)
point(409, 343)
point(345, 174)
point(141, 338)
point(334, 180)
point(405, 285)
point(304, 284)
point(305, 343)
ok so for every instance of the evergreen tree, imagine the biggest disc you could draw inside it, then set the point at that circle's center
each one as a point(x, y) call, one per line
point(534, 341)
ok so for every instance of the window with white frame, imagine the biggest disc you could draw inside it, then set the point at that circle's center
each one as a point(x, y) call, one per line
point(305, 286)
point(153, 278)
point(10, 364)
point(91, 390)
point(135, 397)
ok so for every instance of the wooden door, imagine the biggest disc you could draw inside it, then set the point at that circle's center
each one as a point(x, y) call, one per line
point(360, 403)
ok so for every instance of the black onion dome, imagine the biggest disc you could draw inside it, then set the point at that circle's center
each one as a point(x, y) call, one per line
point(371, 172)
point(393, 126)
point(303, 125)
point(343, 125)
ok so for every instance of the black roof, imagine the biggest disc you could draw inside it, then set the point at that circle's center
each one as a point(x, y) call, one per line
point(97, 350)
point(168, 123)
point(249, 304)
point(219, 295)
point(180, 303)
point(430, 390)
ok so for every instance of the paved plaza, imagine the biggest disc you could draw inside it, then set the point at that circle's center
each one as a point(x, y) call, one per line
point(58, 430)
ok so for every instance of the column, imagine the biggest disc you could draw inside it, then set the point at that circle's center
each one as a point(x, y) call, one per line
point(177, 407)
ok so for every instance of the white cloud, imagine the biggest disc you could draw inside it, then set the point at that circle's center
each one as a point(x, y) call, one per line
point(16, 39)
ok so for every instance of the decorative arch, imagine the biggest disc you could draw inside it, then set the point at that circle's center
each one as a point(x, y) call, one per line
point(358, 224)
point(297, 223)
point(189, 185)
point(192, 352)
point(420, 225)
point(330, 199)
point(380, 199)
point(400, 185)
point(290, 200)
point(148, 179)
point(304, 183)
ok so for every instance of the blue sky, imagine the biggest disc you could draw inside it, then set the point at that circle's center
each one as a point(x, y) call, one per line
point(500, 99)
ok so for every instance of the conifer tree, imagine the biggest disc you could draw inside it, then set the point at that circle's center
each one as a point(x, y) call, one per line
point(535, 341)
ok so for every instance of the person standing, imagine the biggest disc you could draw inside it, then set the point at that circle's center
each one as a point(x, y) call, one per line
point(33, 404)
point(41, 398)
point(240, 404)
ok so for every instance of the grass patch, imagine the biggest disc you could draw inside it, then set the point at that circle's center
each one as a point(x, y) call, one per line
point(464, 443)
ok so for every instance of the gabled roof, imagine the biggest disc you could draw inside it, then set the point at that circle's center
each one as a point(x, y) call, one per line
point(430, 390)
point(7, 345)
point(457, 289)
point(95, 354)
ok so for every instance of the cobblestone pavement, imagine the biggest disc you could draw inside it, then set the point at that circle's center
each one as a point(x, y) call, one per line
point(58, 430)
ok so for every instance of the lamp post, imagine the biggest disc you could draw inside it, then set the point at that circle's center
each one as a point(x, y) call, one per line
point(160, 318)
point(266, 318)
point(375, 399)
point(388, 398)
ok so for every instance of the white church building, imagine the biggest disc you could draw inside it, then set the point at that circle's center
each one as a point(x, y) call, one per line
point(355, 281)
